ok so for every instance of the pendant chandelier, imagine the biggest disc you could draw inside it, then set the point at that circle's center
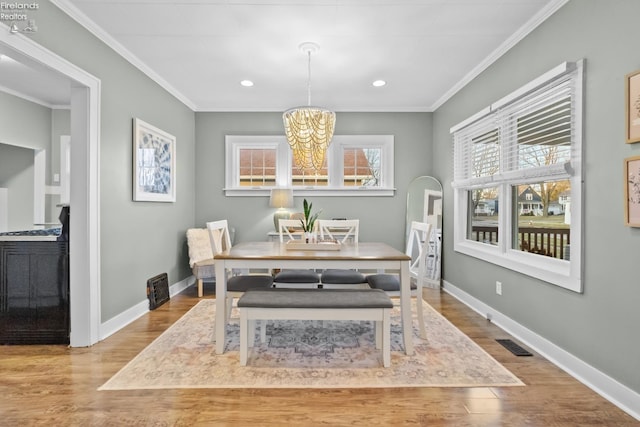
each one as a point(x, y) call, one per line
point(309, 129)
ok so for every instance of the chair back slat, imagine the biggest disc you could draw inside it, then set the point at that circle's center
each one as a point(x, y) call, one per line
point(219, 235)
point(349, 227)
point(291, 229)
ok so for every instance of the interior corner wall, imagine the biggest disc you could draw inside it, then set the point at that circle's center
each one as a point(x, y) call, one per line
point(24, 123)
point(597, 326)
point(381, 218)
point(17, 177)
point(24, 127)
point(138, 240)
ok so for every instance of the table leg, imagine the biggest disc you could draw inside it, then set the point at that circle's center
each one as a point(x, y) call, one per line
point(405, 307)
point(221, 306)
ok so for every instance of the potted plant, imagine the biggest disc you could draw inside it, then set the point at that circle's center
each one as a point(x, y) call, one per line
point(309, 221)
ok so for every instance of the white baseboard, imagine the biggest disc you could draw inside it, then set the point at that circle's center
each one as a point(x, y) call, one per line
point(176, 288)
point(118, 322)
point(618, 394)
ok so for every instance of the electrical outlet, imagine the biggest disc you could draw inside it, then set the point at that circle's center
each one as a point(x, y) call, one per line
point(499, 288)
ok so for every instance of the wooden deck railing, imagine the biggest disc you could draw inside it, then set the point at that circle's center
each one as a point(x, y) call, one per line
point(553, 242)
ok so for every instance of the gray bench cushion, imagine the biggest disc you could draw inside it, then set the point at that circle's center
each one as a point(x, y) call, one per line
point(245, 282)
point(315, 298)
point(297, 276)
point(386, 282)
point(347, 277)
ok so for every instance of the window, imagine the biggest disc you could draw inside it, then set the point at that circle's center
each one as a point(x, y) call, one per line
point(257, 166)
point(354, 165)
point(517, 180)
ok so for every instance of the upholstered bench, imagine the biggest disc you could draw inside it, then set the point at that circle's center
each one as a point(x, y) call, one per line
point(315, 304)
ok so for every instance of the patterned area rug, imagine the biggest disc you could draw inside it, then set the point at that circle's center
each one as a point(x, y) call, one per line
point(309, 354)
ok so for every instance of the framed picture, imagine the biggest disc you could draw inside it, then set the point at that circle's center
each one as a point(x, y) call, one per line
point(632, 191)
point(632, 106)
point(154, 164)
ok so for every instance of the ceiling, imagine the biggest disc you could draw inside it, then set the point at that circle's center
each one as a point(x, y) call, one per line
point(200, 50)
point(28, 79)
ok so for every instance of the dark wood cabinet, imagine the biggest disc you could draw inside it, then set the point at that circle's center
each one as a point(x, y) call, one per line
point(34, 292)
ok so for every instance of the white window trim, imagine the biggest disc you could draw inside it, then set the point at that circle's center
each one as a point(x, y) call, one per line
point(233, 144)
point(566, 274)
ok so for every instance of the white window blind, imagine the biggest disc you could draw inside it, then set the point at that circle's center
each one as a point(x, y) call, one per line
point(530, 137)
point(477, 153)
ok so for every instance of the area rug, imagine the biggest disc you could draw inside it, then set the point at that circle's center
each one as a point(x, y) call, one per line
point(309, 354)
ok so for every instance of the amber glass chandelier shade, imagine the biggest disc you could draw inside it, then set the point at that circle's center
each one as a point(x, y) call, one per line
point(309, 131)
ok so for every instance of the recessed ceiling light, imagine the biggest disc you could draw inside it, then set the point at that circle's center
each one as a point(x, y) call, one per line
point(379, 83)
point(246, 83)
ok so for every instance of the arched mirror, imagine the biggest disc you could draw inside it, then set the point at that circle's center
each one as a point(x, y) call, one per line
point(424, 204)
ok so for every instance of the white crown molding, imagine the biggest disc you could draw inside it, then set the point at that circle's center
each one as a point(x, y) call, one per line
point(527, 28)
point(620, 395)
point(82, 19)
point(32, 99)
point(352, 109)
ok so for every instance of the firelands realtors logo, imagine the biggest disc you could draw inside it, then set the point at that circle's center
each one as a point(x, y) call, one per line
point(19, 16)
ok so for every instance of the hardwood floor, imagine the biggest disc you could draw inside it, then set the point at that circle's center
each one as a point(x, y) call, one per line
point(56, 385)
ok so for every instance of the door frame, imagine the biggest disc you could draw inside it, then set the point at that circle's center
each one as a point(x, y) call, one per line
point(84, 233)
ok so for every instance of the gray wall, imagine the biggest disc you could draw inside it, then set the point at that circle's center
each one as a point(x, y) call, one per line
point(138, 239)
point(24, 123)
point(16, 175)
point(381, 218)
point(27, 125)
point(598, 326)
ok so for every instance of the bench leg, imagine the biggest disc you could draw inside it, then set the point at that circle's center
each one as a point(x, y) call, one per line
point(386, 338)
point(228, 308)
point(423, 330)
point(263, 331)
point(200, 285)
point(252, 332)
point(244, 337)
point(378, 328)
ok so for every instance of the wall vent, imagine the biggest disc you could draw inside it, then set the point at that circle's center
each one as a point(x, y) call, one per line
point(158, 290)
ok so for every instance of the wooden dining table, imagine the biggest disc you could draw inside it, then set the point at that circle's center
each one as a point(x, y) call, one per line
point(276, 255)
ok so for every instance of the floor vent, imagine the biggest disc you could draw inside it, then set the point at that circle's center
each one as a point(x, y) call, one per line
point(158, 290)
point(514, 348)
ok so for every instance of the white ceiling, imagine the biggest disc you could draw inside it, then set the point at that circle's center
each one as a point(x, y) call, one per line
point(200, 50)
point(27, 79)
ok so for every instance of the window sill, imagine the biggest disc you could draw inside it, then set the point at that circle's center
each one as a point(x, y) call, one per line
point(319, 192)
point(551, 270)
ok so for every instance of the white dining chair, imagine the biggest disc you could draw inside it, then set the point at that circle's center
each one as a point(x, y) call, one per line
point(340, 230)
point(237, 285)
point(291, 230)
point(345, 231)
point(417, 248)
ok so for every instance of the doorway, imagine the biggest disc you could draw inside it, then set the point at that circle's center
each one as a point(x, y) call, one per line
point(84, 290)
